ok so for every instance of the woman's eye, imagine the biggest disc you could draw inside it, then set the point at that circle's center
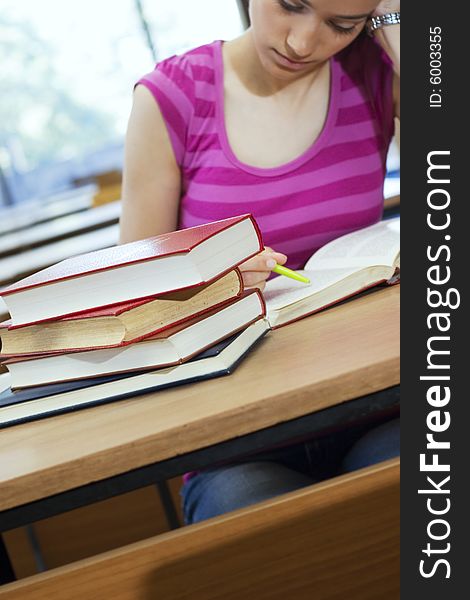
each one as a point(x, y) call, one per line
point(291, 7)
point(340, 29)
point(299, 8)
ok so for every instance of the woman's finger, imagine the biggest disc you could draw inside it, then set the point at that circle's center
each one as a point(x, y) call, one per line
point(264, 261)
point(254, 278)
point(259, 284)
point(279, 257)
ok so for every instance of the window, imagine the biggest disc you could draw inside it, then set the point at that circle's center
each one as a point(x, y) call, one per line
point(68, 72)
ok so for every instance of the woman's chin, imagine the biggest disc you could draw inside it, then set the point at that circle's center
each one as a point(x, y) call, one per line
point(277, 72)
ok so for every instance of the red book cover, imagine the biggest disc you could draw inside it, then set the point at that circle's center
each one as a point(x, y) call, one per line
point(111, 310)
point(164, 331)
point(169, 331)
point(175, 242)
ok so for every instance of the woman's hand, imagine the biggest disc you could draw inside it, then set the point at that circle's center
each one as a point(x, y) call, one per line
point(257, 269)
point(389, 39)
point(385, 7)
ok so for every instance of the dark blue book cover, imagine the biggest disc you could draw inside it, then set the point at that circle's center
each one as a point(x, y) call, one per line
point(35, 400)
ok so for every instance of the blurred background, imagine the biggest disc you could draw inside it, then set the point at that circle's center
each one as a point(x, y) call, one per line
point(67, 78)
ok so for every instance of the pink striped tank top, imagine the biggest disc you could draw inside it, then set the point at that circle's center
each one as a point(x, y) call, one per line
point(334, 187)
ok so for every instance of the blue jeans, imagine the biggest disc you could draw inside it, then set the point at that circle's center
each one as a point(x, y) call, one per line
point(264, 475)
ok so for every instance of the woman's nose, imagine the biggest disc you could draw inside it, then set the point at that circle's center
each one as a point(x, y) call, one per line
point(302, 40)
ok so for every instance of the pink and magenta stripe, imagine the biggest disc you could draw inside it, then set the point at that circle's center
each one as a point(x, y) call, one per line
point(334, 187)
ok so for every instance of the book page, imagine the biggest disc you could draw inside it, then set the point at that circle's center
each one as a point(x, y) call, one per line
point(378, 244)
point(283, 291)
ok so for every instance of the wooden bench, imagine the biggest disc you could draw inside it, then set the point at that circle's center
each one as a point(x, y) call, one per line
point(60, 228)
point(31, 213)
point(16, 266)
point(109, 185)
point(332, 541)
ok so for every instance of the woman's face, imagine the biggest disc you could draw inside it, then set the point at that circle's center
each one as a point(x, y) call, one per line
point(292, 37)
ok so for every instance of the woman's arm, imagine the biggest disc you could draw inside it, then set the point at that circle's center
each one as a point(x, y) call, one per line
point(389, 38)
point(152, 186)
point(152, 178)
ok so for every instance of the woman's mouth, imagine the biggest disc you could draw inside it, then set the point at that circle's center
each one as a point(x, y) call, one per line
point(294, 65)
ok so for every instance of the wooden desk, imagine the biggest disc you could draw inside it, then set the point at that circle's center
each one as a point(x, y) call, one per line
point(306, 368)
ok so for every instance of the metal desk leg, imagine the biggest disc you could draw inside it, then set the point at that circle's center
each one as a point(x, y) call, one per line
point(168, 506)
point(7, 575)
point(36, 548)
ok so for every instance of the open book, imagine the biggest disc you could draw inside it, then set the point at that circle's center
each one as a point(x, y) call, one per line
point(341, 268)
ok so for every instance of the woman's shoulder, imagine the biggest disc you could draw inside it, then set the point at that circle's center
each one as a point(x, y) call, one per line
point(186, 66)
point(177, 84)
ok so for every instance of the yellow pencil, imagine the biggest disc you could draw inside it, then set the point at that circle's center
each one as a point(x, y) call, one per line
point(280, 270)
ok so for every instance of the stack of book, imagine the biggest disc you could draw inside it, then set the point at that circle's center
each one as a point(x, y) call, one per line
point(181, 310)
point(98, 318)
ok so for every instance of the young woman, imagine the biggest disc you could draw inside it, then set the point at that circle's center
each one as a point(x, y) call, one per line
point(292, 122)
